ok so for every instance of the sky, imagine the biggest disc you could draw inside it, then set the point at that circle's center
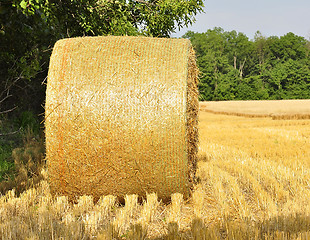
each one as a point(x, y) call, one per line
point(270, 17)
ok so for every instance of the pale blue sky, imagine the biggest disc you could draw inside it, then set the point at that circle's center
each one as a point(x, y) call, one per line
point(270, 17)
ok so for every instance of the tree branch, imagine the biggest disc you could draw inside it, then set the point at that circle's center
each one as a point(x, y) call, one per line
point(7, 111)
point(9, 133)
point(5, 98)
point(241, 68)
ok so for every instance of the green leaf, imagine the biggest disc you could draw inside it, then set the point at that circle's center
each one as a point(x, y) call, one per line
point(23, 4)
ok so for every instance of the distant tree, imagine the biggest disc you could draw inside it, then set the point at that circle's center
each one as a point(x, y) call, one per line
point(289, 46)
point(290, 80)
point(232, 67)
point(239, 50)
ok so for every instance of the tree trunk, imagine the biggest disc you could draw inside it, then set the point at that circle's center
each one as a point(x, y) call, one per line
point(241, 69)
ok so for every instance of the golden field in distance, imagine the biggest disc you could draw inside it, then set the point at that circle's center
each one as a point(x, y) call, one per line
point(254, 183)
point(278, 109)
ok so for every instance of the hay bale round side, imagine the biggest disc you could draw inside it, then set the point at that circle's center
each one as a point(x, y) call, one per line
point(121, 116)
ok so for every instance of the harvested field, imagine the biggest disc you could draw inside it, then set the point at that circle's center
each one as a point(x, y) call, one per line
point(254, 184)
point(277, 109)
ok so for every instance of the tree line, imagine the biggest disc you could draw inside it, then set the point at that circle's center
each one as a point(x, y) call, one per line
point(235, 68)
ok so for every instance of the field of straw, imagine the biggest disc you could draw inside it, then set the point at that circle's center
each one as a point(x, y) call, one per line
point(277, 109)
point(254, 183)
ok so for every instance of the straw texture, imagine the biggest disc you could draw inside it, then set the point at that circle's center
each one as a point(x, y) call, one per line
point(121, 117)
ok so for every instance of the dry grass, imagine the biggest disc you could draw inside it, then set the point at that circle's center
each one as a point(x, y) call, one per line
point(28, 162)
point(254, 184)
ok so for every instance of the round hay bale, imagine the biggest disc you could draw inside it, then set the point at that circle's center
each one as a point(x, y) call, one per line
point(121, 117)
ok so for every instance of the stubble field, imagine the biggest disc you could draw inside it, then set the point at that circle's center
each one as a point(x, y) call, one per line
point(254, 183)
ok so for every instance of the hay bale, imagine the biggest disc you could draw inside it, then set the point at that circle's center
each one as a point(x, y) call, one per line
point(121, 116)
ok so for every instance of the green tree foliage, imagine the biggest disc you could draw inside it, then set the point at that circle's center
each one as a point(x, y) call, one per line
point(234, 67)
point(114, 17)
point(29, 29)
point(24, 44)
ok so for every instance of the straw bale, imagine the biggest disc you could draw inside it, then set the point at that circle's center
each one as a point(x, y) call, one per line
point(121, 117)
